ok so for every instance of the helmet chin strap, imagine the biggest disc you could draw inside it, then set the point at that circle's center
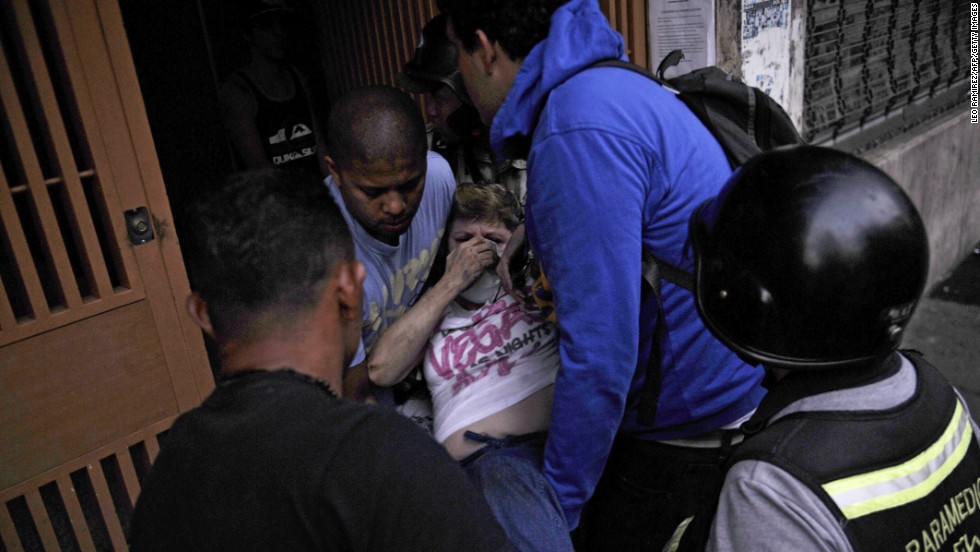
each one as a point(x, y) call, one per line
point(893, 338)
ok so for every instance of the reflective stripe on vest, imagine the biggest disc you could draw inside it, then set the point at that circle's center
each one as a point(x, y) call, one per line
point(871, 492)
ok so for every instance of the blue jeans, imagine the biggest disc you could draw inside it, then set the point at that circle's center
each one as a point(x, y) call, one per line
point(508, 473)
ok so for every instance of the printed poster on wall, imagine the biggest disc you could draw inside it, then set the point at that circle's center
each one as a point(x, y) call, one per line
point(687, 25)
point(765, 46)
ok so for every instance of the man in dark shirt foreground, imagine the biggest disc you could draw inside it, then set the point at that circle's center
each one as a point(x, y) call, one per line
point(273, 459)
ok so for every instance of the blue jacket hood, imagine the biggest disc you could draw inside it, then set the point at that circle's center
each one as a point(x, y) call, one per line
point(580, 35)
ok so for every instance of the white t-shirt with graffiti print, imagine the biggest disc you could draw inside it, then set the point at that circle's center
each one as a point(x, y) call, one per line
point(481, 362)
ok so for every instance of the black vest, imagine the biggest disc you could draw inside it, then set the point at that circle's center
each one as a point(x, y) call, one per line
point(905, 479)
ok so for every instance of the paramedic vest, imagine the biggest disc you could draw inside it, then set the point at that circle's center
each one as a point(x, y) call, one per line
point(904, 479)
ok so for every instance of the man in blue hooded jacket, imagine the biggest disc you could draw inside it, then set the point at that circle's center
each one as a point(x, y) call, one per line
point(615, 164)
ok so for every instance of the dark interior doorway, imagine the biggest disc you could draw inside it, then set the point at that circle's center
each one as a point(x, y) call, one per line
point(182, 52)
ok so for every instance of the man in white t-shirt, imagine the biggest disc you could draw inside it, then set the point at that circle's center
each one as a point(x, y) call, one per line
point(395, 196)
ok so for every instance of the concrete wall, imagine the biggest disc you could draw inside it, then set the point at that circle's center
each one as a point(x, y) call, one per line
point(939, 167)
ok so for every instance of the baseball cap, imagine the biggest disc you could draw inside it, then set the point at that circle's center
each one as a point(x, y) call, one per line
point(435, 62)
point(258, 8)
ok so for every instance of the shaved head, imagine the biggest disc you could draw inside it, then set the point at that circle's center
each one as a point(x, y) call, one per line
point(375, 123)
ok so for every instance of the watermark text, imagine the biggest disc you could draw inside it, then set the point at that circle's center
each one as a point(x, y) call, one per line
point(974, 47)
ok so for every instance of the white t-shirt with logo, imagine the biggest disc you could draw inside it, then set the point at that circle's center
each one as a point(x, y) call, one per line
point(481, 362)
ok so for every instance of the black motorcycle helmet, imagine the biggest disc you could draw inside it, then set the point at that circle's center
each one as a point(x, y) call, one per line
point(809, 258)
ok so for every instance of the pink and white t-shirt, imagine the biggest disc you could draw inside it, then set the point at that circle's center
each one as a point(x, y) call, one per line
point(481, 362)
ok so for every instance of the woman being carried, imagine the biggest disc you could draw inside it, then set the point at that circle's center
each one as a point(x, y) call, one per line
point(489, 361)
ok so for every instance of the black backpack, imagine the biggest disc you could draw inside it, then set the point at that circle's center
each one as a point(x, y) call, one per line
point(746, 122)
point(744, 119)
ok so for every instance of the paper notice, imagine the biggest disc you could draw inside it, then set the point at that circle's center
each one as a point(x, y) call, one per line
point(687, 25)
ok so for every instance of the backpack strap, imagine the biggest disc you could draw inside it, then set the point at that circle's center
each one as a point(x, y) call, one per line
point(630, 67)
point(653, 269)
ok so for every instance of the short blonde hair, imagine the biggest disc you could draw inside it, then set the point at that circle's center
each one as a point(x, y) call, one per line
point(486, 203)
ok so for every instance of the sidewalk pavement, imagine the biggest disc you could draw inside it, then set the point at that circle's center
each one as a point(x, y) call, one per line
point(946, 329)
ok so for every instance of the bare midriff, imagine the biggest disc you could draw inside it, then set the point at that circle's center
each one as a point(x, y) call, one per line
point(528, 416)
